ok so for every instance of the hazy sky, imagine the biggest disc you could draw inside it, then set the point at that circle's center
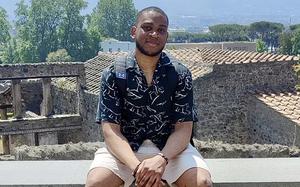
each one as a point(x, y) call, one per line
point(287, 9)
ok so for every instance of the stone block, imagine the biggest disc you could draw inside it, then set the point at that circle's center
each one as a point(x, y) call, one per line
point(47, 138)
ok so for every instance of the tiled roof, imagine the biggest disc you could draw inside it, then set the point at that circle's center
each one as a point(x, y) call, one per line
point(93, 69)
point(286, 103)
point(218, 56)
point(95, 66)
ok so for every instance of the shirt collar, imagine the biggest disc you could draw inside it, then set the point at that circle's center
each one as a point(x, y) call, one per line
point(163, 60)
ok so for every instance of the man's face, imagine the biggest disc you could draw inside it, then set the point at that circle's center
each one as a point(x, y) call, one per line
point(150, 33)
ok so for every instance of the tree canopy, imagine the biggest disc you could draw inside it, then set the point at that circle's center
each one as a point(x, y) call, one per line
point(229, 32)
point(113, 19)
point(268, 32)
point(60, 55)
point(4, 36)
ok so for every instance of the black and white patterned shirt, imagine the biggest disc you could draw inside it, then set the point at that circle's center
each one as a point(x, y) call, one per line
point(147, 112)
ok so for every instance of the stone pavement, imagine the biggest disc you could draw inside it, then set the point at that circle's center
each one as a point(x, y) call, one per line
point(253, 172)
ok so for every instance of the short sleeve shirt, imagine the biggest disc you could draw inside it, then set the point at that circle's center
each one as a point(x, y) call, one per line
point(147, 112)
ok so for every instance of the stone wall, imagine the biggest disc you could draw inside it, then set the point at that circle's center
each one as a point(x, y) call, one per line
point(269, 126)
point(65, 102)
point(32, 95)
point(85, 151)
point(239, 46)
point(222, 97)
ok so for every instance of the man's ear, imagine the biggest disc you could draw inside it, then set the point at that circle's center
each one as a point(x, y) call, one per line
point(132, 32)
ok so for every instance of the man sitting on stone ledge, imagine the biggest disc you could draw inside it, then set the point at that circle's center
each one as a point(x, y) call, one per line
point(147, 124)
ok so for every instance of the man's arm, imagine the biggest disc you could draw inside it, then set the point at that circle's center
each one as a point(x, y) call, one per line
point(117, 144)
point(178, 140)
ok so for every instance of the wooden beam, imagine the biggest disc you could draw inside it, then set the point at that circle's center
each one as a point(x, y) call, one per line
point(41, 124)
point(40, 70)
point(47, 105)
point(3, 113)
point(17, 98)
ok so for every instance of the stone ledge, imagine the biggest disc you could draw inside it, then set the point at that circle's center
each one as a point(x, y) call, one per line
point(85, 151)
point(251, 172)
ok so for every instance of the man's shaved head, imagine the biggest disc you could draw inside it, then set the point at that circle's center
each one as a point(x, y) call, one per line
point(149, 9)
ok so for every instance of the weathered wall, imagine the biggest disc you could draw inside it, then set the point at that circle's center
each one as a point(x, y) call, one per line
point(269, 126)
point(65, 102)
point(240, 46)
point(85, 151)
point(221, 97)
point(32, 95)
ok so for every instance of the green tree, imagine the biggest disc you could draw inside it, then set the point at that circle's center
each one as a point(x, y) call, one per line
point(9, 55)
point(4, 27)
point(186, 37)
point(60, 55)
point(37, 27)
point(179, 37)
point(229, 32)
point(294, 27)
point(71, 29)
point(269, 32)
point(46, 26)
point(285, 43)
point(261, 46)
point(296, 43)
point(113, 19)
point(4, 35)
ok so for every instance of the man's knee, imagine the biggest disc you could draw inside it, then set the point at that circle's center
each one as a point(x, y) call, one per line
point(93, 182)
point(96, 182)
point(195, 177)
point(102, 177)
point(204, 181)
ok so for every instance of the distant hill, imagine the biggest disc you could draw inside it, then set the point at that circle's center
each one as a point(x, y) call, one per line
point(195, 13)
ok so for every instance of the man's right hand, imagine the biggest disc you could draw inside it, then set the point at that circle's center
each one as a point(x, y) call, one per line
point(150, 172)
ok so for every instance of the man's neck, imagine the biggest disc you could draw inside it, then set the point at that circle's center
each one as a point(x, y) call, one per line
point(146, 63)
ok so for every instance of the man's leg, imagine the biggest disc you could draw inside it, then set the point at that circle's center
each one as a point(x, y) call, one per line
point(194, 177)
point(103, 177)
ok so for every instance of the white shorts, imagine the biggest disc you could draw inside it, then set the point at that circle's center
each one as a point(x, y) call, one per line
point(189, 158)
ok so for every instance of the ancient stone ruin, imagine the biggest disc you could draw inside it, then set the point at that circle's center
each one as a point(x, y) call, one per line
point(246, 99)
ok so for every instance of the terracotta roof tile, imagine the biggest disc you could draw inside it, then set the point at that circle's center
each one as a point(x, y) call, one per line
point(286, 103)
point(218, 56)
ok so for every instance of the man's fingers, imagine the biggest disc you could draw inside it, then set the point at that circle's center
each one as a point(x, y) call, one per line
point(152, 181)
point(144, 179)
point(157, 182)
point(140, 173)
